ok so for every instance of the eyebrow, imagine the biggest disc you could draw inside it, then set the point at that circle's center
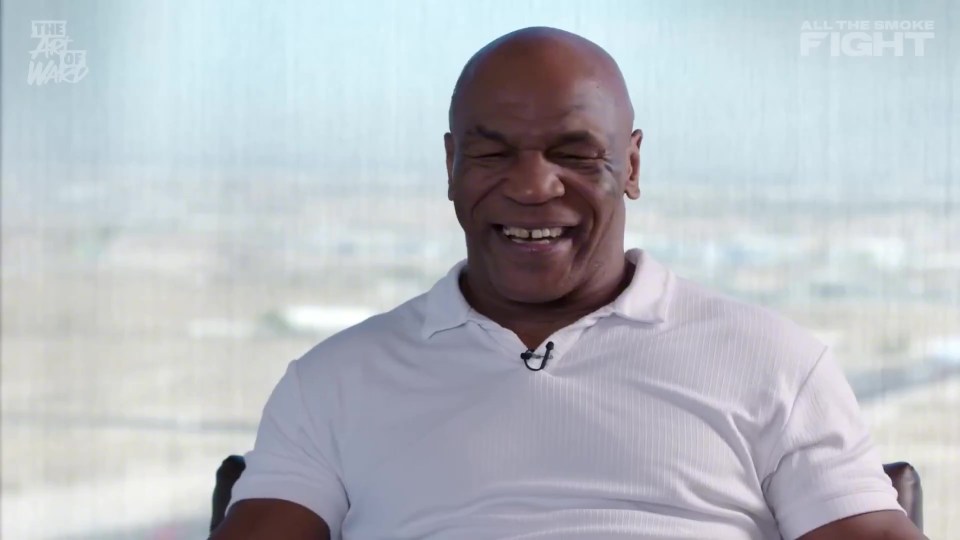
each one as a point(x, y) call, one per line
point(570, 137)
point(487, 133)
point(573, 137)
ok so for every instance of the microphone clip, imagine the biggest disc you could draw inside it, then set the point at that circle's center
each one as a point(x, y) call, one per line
point(528, 354)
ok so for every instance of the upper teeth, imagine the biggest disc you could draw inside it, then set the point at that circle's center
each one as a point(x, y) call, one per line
point(532, 233)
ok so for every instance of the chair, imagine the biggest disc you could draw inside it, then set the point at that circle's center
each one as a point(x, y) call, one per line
point(906, 480)
point(227, 475)
point(904, 477)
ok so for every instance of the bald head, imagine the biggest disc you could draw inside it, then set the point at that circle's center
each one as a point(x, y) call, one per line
point(542, 54)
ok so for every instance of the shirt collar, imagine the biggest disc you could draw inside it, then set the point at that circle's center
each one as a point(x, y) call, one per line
point(645, 299)
point(446, 306)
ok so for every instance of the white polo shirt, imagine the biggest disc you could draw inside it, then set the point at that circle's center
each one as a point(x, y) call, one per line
point(674, 412)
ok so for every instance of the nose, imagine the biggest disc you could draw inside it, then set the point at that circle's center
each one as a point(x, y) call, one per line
point(532, 179)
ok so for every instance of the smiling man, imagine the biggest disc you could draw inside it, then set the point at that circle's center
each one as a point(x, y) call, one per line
point(554, 385)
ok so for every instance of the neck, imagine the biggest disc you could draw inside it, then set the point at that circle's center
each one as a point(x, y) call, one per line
point(533, 323)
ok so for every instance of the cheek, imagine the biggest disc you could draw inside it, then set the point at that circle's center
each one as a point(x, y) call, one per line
point(467, 195)
point(613, 189)
point(598, 200)
point(598, 189)
point(611, 182)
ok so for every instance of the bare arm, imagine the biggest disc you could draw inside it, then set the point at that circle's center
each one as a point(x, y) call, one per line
point(883, 525)
point(268, 519)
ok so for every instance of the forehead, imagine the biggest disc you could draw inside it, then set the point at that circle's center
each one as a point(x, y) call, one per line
point(531, 111)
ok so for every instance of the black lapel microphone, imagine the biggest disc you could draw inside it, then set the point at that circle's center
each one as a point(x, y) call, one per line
point(526, 356)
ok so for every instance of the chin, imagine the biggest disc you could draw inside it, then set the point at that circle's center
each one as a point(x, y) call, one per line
point(528, 293)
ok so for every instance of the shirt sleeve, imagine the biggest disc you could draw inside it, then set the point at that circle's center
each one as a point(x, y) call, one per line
point(824, 464)
point(294, 457)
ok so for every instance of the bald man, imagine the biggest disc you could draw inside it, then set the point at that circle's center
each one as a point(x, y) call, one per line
point(554, 385)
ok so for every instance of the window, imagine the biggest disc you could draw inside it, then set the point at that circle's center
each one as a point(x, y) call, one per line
point(212, 187)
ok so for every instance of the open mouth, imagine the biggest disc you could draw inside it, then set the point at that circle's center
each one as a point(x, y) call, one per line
point(538, 235)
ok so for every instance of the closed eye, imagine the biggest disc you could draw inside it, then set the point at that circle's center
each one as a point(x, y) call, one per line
point(577, 152)
point(491, 155)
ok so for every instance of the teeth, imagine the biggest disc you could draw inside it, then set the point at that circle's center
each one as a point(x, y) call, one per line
point(541, 236)
point(516, 232)
point(542, 241)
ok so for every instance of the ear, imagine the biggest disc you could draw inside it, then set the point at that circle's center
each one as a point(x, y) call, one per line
point(632, 189)
point(449, 147)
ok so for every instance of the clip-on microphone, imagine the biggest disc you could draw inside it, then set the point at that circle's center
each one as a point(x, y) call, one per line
point(528, 354)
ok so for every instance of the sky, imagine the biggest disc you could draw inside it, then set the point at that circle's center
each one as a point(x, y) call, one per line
point(359, 89)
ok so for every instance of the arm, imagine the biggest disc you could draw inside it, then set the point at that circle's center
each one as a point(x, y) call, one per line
point(823, 478)
point(267, 519)
point(291, 486)
point(882, 525)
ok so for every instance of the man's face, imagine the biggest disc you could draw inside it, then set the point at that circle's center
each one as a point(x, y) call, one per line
point(537, 172)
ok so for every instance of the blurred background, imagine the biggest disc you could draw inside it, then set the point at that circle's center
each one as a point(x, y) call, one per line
point(211, 188)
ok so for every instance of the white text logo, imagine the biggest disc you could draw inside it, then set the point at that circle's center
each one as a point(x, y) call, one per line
point(865, 38)
point(51, 60)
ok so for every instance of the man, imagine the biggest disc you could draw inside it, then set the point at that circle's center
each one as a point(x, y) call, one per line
point(553, 386)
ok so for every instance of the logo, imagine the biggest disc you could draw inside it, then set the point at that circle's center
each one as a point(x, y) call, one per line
point(865, 38)
point(51, 60)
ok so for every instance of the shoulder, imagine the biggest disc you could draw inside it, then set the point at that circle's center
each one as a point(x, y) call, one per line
point(745, 337)
point(365, 341)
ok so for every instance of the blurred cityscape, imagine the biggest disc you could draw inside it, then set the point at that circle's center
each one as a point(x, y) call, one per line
point(232, 182)
point(145, 320)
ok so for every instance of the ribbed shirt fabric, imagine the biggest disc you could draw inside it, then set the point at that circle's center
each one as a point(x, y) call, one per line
point(675, 412)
